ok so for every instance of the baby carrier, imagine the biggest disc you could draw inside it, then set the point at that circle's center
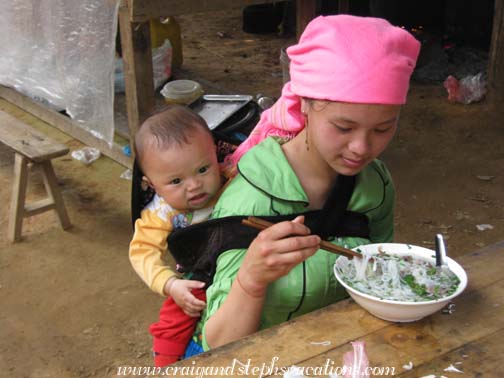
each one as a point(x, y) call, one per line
point(197, 247)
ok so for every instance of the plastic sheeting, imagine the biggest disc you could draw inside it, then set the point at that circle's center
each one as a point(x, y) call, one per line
point(61, 52)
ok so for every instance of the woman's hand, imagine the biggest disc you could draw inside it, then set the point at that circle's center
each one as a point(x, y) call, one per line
point(273, 253)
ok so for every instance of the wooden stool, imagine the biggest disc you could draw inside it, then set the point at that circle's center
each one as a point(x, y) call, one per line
point(32, 147)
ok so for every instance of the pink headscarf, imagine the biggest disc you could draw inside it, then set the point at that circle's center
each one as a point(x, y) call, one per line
point(339, 58)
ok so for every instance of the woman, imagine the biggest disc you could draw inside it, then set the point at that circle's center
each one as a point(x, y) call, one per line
point(349, 78)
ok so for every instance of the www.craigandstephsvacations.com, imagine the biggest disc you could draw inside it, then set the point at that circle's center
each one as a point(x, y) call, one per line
point(238, 368)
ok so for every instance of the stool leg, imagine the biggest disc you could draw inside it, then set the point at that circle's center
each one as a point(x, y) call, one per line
point(51, 184)
point(18, 198)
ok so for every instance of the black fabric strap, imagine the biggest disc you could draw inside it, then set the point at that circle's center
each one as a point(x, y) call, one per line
point(139, 197)
point(331, 215)
point(197, 247)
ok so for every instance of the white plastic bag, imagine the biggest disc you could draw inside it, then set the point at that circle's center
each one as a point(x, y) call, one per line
point(356, 361)
point(469, 89)
point(62, 51)
point(161, 67)
point(86, 155)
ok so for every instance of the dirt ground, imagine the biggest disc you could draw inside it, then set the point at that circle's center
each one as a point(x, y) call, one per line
point(70, 304)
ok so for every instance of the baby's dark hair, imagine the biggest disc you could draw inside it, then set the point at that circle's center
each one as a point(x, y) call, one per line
point(170, 126)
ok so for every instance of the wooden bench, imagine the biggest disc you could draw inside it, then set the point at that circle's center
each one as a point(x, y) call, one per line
point(34, 148)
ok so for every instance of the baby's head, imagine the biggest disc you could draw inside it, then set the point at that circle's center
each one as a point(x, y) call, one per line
point(177, 154)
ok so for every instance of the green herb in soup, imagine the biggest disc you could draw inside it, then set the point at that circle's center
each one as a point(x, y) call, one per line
point(398, 278)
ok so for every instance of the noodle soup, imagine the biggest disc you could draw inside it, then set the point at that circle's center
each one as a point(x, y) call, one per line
point(398, 278)
point(401, 282)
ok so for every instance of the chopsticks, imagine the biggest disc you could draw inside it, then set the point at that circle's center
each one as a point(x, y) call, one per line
point(261, 224)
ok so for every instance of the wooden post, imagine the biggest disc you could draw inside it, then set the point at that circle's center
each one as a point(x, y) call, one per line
point(138, 76)
point(18, 198)
point(54, 194)
point(496, 58)
point(343, 6)
point(306, 11)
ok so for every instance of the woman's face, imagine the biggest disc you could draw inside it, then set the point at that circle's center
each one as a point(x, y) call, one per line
point(346, 136)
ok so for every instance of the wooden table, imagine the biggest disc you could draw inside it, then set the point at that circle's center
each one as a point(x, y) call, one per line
point(471, 338)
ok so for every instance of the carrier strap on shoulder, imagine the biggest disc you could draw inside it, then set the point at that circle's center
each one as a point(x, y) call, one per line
point(197, 247)
point(331, 215)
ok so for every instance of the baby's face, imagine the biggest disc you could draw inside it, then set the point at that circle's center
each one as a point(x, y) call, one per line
point(186, 176)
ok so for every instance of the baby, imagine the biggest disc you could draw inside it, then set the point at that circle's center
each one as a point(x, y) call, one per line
point(177, 155)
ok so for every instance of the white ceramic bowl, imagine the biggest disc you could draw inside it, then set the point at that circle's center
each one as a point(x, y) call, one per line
point(399, 311)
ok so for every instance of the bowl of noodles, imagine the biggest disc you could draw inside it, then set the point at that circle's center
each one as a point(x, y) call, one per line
point(400, 282)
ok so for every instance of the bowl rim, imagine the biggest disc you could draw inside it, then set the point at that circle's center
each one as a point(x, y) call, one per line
point(450, 262)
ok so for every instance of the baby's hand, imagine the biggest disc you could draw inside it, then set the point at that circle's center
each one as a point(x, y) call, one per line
point(180, 291)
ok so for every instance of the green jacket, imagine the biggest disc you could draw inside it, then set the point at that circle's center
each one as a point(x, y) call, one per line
point(267, 185)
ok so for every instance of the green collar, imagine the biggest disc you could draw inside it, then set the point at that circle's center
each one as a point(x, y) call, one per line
point(266, 168)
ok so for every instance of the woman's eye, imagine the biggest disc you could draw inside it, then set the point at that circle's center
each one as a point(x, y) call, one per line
point(203, 169)
point(175, 181)
point(343, 129)
point(382, 131)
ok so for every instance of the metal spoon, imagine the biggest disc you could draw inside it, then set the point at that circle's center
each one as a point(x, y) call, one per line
point(440, 250)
